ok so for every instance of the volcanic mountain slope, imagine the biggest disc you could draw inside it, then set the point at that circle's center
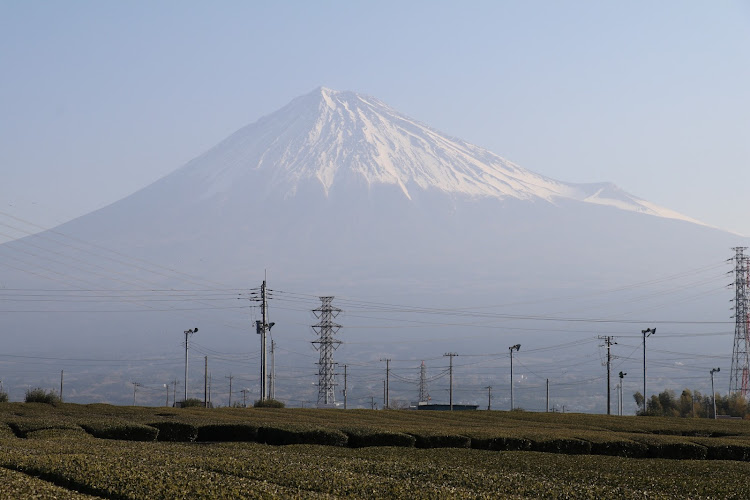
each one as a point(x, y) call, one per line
point(338, 189)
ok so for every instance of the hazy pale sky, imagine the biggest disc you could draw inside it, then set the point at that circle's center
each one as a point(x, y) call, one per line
point(99, 99)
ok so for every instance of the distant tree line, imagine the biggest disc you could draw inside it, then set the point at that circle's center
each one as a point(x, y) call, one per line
point(692, 405)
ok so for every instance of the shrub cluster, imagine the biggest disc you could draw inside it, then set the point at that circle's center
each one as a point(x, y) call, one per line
point(693, 404)
point(191, 403)
point(268, 403)
point(39, 395)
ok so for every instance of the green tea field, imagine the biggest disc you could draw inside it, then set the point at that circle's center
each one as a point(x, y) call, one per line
point(86, 451)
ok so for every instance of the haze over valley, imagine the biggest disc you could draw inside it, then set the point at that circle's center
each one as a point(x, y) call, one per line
point(428, 243)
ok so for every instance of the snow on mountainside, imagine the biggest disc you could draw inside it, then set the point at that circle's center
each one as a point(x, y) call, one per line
point(332, 138)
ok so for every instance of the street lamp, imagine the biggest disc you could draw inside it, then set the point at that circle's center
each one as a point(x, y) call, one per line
point(622, 376)
point(187, 333)
point(713, 394)
point(646, 333)
point(512, 348)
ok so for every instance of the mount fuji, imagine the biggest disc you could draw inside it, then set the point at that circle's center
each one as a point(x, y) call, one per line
point(339, 194)
point(338, 185)
point(336, 141)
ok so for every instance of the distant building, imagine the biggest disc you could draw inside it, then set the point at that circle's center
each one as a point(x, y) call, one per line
point(439, 407)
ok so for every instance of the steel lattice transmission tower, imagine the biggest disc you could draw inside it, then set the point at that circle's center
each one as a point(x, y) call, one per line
point(739, 377)
point(326, 344)
point(424, 396)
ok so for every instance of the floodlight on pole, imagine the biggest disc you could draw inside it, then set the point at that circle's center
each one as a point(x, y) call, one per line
point(646, 333)
point(512, 348)
point(713, 394)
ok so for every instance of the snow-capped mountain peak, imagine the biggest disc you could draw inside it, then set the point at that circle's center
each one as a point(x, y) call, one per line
point(335, 137)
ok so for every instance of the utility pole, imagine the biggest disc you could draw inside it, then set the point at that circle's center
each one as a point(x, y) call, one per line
point(547, 410)
point(372, 402)
point(713, 394)
point(136, 385)
point(646, 333)
point(209, 389)
point(386, 384)
point(512, 348)
point(262, 327)
point(622, 376)
point(489, 397)
point(205, 383)
point(450, 371)
point(61, 384)
point(230, 377)
point(166, 386)
point(345, 387)
point(187, 334)
point(608, 343)
point(272, 379)
point(244, 398)
point(174, 392)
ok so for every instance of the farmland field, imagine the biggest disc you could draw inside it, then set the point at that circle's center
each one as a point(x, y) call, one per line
point(84, 451)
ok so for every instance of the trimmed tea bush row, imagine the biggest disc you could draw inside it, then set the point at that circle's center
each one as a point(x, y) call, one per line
point(569, 443)
point(114, 429)
point(141, 470)
point(228, 432)
point(364, 437)
point(175, 431)
point(301, 435)
point(21, 485)
point(496, 431)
